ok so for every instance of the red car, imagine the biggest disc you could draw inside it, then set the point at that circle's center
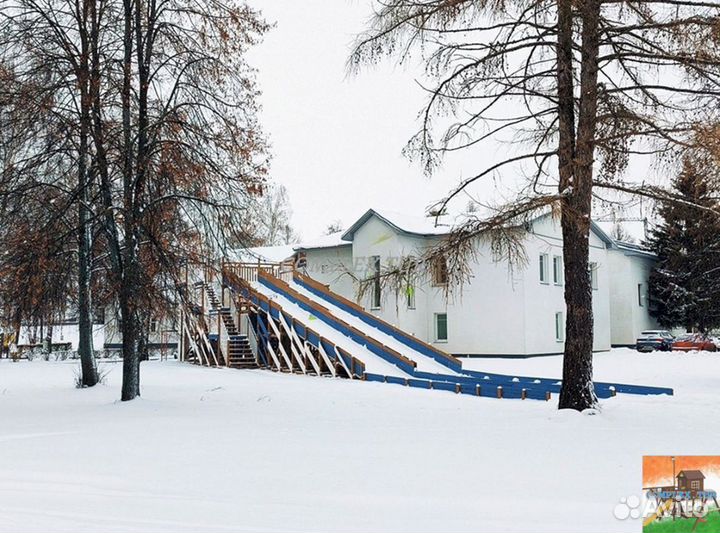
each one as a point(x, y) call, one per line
point(693, 341)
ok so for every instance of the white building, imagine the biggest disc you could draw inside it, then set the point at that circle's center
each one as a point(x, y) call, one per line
point(162, 333)
point(630, 265)
point(508, 312)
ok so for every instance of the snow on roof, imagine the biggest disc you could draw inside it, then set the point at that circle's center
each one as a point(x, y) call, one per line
point(428, 226)
point(267, 254)
point(421, 225)
point(634, 230)
point(326, 241)
point(412, 224)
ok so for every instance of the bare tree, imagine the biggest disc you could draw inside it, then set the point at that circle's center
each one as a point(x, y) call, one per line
point(335, 226)
point(46, 52)
point(274, 217)
point(583, 86)
point(152, 108)
point(191, 152)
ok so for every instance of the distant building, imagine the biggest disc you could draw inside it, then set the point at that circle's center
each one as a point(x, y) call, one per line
point(515, 312)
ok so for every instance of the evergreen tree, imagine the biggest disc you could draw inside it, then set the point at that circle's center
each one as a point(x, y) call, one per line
point(685, 283)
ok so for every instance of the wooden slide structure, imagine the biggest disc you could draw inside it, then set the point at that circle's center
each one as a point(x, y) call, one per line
point(295, 324)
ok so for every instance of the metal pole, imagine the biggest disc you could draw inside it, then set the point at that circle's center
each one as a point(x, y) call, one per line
point(674, 478)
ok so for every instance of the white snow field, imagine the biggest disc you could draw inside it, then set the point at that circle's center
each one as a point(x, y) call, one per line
point(216, 450)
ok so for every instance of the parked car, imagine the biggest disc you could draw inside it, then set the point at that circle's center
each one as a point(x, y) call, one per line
point(694, 341)
point(654, 339)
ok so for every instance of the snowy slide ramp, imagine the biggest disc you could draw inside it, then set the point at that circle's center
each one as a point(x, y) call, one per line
point(431, 362)
point(369, 348)
point(380, 360)
point(373, 363)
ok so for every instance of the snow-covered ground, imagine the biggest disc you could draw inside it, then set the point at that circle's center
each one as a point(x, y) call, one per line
point(229, 450)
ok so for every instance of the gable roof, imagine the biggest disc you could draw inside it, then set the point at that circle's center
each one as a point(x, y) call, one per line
point(406, 224)
point(630, 248)
point(691, 474)
point(270, 254)
point(427, 227)
point(326, 241)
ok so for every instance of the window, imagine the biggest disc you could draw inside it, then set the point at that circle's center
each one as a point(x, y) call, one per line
point(441, 333)
point(439, 271)
point(410, 293)
point(559, 327)
point(557, 270)
point(695, 485)
point(377, 292)
point(544, 268)
point(592, 270)
point(153, 325)
point(640, 294)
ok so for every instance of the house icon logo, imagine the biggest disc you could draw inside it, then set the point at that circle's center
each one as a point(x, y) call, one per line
point(685, 504)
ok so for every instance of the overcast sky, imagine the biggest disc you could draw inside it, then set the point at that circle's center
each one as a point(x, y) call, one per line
point(337, 140)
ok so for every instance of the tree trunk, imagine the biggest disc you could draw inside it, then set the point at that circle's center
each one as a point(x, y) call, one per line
point(577, 390)
point(85, 340)
point(130, 343)
point(89, 377)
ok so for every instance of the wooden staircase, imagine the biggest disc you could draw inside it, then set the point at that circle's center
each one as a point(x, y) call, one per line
point(239, 352)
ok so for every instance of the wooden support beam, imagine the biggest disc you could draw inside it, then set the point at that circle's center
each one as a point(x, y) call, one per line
point(326, 358)
point(283, 352)
point(342, 362)
point(294, 342)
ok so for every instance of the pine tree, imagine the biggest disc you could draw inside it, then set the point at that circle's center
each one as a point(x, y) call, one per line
point(685, 283)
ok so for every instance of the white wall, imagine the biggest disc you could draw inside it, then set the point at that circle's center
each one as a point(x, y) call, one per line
point(376, 238)
point(543, 300)
point(165, 333)
point(62, 333)
point(500, 311)
point(629, 318)
point(331, 267)
point(485, 317)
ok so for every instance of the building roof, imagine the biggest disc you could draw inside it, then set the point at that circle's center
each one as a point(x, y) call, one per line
point(691, 474)
point(266, 254)
point(634, 229)
point(407, 224)
point(430, 226)
point(326, 241)
point(630, 248)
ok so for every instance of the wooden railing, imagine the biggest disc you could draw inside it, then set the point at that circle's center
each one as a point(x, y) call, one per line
point(249, 271)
